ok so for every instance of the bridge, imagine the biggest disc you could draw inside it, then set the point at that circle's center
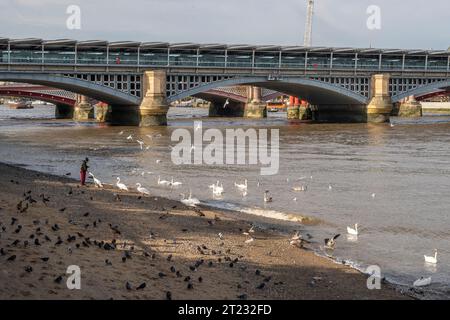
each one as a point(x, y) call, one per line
point(138, 80)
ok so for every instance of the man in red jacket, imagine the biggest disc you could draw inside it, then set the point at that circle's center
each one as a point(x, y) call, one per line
point(83, 170)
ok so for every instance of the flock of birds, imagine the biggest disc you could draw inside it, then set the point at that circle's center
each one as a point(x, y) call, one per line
point(218, 190)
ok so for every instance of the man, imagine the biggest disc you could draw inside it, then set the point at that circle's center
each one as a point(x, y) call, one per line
point(83, 171)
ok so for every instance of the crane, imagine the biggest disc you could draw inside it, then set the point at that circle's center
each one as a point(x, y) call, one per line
point(307, 40)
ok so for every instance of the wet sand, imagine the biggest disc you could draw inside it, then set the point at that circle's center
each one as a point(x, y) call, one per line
point(174, 249)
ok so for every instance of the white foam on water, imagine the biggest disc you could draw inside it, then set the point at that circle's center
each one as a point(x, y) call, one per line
point(272, 214)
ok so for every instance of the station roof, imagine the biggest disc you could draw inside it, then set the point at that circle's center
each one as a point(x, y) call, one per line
point(86, 44)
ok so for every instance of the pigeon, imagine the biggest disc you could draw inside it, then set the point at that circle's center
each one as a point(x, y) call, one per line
point(45, 259)
point(128, 286)
point(12, 258)
point(169, 295)
point(58, 279)
point(141, 286)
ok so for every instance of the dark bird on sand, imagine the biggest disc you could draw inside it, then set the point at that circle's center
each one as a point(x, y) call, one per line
point(128, 286)
point(169, 295)
point(141, 286)
point(45, 259)
point(28, 269)
point(12, 258)
point(62, 209)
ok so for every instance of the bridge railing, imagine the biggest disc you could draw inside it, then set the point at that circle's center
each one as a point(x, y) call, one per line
point(232, 59)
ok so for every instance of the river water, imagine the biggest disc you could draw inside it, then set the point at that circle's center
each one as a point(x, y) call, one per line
point(393, 181)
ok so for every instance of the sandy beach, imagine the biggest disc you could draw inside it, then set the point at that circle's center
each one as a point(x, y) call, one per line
point(48, 223)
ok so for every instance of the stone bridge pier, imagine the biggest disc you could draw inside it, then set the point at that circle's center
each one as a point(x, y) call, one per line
point(153, 108)
point(255, 107)
point(83, 109)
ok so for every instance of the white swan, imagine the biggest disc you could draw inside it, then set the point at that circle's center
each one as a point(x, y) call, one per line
point(191, 202)
point(97, 182)
point(431, 259)
point(422, 282)
point(175, 183)
point(241, 186)
point(217, 188)
point(120, 185)
point(352, 231)
point(267, 198)
point(163, 182)
point(142, 189)
point(141, 144)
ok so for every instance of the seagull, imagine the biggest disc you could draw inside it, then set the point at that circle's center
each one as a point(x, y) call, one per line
point(226, 103)
point(130, 137)
point(175, 183)
point(267, 198)
point(220, 236)
point(330, 187)
point(301, 188)
point(163, 182)
point(97, 182)
point(191, 202)
point(297, 240)
point(120, 185)
point(141, 144)
point(391, 124)
point(422, 282)
point(241, 186)
point(158, 161)
point(373, 195)
point(120, 133)
point(142, 189)
point(330, 243)
point(353, 232)
point(431, 259)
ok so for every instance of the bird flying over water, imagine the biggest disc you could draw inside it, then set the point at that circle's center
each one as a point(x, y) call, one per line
point(331, 243)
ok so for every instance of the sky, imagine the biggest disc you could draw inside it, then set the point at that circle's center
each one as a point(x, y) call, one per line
point(420, 24)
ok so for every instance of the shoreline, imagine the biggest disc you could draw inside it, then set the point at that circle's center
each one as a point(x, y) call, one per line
point(170, 247)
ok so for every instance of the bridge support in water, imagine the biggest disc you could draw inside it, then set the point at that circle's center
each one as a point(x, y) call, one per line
point(255, 108)
point(410, 108)
point(63, 111)
point(304, 111)
point(293, 109)
point(380, 106)
point(83, 110)
point(153, 109)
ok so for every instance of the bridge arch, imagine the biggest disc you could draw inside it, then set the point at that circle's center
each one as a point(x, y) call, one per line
point(84, 87)
point(316, 92)
point(38, 96)
point(422, 90)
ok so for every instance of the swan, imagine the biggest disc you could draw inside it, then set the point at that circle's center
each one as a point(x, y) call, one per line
point(191, 202)
point(163, 182)
point(142, 189)
point(97, 182)
point(352, 231)
point(251, 230)
point(120, 185)
point(217, 188)
point(422, 282)
point(267, 198)
point(175, 183)
point(330, 243)
point(249, 240)
point(241, 186)
point(431, 259)
point(141, 144)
